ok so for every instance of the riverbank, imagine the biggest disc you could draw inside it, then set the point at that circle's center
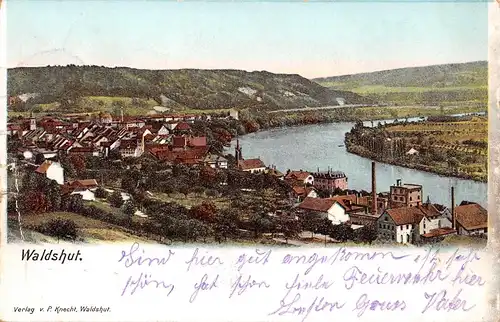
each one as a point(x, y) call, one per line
point(452, 149)
point(439, 171)
point(260, 120)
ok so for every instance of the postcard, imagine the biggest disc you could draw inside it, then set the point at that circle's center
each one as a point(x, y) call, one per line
point(249, 161)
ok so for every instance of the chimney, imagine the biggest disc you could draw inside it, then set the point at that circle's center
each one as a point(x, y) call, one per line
point(398, 182)
point(453, 223)
point(374, 191)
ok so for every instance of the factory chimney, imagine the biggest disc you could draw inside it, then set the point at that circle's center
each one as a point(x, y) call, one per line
point(374, 191)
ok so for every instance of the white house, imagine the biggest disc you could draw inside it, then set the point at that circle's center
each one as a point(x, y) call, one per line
point(215, 161)
point(252, 165)
point(302, 176)
point(85, 193)
point(412, 151)
point(328, 208)
point(163, 130)
point(406, 224)
point(52, 170)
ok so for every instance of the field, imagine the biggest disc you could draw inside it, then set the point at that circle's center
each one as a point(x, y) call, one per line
point(90, 230)
point(450, 135)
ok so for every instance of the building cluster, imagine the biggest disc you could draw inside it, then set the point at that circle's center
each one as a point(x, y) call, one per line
point(168, 138)
point(399, 215)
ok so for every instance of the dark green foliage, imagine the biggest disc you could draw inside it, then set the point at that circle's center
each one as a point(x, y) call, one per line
point(115, 199)
point(59, 228)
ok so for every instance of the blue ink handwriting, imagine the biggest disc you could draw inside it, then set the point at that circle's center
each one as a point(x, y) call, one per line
point(203, 261)
point(354, 275)
point(132, 257)
point(314, 284)
point(439, 302)
point(240, 287)
point(203, 285)
point(318, 305)
point(262, 257)
point(143, 281)
point(340, 255)
point(364, 303)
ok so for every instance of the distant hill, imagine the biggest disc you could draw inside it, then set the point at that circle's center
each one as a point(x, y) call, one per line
point(438, 76)
point(62, 86)
point(449, 84)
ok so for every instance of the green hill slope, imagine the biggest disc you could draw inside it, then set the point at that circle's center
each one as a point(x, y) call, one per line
point(438, 84)
point(63, 87)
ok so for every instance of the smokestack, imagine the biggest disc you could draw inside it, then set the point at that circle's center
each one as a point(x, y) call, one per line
point(374, 191)
point(453, 224)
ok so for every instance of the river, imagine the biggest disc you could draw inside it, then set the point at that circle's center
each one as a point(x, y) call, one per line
point(311, 147)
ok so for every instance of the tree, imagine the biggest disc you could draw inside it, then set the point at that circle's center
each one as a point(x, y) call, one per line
point(60, 228)
point(310, 223)
point(75, 203)
point(325, 227)
point(128, 208)
point(78, 163)
point(33, 202)
point(366, 234)
point(54, 195)
point(289, 227)
point(342, 232)
point(206, 211)
point(225, 224)
point(100, 192)
point(115, 199)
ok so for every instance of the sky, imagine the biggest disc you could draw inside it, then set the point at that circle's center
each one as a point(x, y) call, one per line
point(313, 39)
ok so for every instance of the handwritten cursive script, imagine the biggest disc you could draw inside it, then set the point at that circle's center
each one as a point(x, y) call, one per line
point(133, 257)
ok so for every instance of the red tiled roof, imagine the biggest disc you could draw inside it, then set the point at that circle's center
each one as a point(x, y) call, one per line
point(299, 190)
point(43, 167)
point(197, 141)
point(412, 215)
point(183, 126)
point(472, 216)
point(84, 183)
point(179, 141)
point(405, 215)
point(439, 232)
point(250, 164)
point(297, 175)
point(317, 204)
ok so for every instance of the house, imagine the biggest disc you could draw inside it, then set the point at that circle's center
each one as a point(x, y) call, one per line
point(85, 193)
point(471, 219)
point(412, 151)
point(406, 224)
point(251, 165)
point(326, 208)
point(84, 183)
point(405, 195)
point(131, 148)
point(300, 193)
point(215, 161)
point(330, 180)
point(52, 170)
point(182, 127)
point(294, 177)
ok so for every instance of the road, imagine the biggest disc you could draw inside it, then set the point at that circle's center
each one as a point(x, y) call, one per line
point(319, 108)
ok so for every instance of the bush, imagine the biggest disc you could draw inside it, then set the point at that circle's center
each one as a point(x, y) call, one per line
point(115, 199)
point(128, 208)
point(101, 193)
point(60, 228)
